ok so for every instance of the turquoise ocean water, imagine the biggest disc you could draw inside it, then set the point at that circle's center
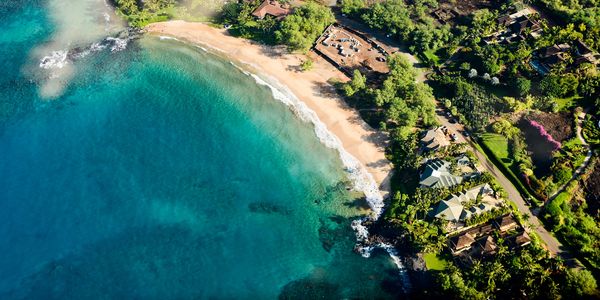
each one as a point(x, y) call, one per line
point(163, 172)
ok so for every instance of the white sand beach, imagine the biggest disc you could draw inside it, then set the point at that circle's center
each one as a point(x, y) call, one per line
point(312, 87)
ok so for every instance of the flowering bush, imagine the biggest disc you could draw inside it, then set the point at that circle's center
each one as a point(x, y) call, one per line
point(542, 131)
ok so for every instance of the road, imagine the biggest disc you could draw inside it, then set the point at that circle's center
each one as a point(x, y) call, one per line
point(552, 244)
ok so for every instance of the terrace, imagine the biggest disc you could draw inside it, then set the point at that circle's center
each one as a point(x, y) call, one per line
point(351, 50)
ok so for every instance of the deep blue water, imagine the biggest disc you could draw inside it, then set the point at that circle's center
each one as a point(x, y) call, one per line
point(163, 172)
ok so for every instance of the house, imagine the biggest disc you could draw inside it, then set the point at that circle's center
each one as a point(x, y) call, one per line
point(437, 175)
point(524, 23)
point(506, 223)
point(517, 26)
point(453, 209)
point(271, 8)
point(488, 246)
point(583, 53)
point(571, 55)
point(461, 243)
point(522, 239)
point(435, 138)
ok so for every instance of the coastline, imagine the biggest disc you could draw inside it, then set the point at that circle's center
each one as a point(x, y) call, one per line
point(275, 67)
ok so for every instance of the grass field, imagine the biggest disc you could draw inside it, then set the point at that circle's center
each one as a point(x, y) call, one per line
point(496, 148)
point(498, 144)
point(433, 262)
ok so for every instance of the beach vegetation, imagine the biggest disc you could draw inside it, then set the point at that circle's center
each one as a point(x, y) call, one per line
point(300, 29)
point(357, 84)
point(141, 13)
point(306, 64)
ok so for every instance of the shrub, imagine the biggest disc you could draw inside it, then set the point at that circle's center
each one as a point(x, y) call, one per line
point(542, 131)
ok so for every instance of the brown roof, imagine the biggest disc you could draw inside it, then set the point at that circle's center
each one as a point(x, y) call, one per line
point(480, 230)
point(463, 241)
point(523, 23)
point(555, 49)
point(488, 246)
point(507, 222)
point(582, 48)
point(522, 239)
point(271, 8)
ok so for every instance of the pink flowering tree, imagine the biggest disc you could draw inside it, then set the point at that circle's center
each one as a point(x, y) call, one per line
point(542, 131)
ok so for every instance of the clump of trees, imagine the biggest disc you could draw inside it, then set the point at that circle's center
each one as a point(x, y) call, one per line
point(299, 30)
point(405, 101)
point(410, 23)
point(141, 13)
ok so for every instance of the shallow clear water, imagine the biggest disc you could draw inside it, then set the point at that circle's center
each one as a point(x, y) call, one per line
point(161, 171)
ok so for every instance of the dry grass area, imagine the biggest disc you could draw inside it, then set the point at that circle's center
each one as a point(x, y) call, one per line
point(466, 7)
point(558, 125)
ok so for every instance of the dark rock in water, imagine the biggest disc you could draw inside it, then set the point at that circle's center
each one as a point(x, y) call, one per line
point(310, 289)
point(268, 208)
point(332, 233)
point(338, 219)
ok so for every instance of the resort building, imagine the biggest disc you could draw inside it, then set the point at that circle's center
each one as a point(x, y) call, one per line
point(516, 27)
point(454, 210)
point(480, 242)
point(570, 56)
point(461, 243)
point(435, 138)
point(487, 246)
point(506, 223)
point(271, 8)
point(437, 175)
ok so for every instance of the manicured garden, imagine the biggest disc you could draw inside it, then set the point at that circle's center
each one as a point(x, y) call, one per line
point(434, 262)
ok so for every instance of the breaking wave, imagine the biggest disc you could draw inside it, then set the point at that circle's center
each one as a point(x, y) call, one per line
point(361, 179)
point(55, 60)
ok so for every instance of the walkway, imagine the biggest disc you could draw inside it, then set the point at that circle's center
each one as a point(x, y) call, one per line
point(586, 160)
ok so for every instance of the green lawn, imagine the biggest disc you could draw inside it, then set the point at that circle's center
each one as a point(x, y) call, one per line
point(434, 262)
point(496, 149)
point(567, 103)
point(498, 144)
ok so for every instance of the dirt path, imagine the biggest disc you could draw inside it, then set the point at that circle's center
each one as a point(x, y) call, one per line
point(586, 160)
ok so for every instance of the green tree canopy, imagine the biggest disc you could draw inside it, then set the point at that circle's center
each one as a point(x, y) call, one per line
point(300, 29)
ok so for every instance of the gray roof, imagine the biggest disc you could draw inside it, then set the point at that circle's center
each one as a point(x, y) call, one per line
point(453, 210)
point(437, 175)
point(435, 138)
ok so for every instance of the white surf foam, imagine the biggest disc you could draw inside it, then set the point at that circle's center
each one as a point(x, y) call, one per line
point(118, 44)
point(164, 37)
point(361, 179)
point(56, 60)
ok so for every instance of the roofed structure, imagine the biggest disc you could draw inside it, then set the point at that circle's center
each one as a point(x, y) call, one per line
point(488, 246)
point(453, 209)
point(271, 8)
point(461, 242)
point(522, 239)
point(506, 223)
point(437, 175)
point(435, 138)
